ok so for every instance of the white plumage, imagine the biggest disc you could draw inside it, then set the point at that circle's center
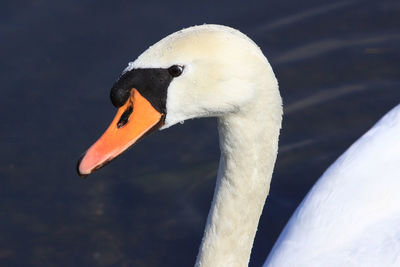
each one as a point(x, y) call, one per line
point(351, 217)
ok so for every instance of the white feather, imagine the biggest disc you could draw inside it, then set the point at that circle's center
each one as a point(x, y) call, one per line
point(351, 217)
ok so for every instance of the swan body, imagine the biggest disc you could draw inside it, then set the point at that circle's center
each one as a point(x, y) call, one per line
point(204, 71)
point(351, 217)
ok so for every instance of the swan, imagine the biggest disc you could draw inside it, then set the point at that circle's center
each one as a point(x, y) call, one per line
point(214, 70)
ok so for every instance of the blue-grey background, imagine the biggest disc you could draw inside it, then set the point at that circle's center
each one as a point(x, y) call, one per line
point(338, 67)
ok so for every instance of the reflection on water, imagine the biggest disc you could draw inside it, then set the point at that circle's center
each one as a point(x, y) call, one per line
point(338, 67)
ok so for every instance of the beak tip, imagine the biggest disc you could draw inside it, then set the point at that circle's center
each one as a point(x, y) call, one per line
point(78, 169)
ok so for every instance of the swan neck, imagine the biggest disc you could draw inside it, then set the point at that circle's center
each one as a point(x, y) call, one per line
point(249, 143)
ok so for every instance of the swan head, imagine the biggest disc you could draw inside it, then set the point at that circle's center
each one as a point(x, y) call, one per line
point(201, 71)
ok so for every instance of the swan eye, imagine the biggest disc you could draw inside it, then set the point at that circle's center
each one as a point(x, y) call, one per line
point(175, 70)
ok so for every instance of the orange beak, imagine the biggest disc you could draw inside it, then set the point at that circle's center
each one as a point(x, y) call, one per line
point(136, 118)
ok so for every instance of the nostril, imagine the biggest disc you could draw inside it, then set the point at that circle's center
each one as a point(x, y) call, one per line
point(125, 117)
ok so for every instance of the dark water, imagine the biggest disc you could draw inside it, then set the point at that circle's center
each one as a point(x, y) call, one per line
point(338, 63)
